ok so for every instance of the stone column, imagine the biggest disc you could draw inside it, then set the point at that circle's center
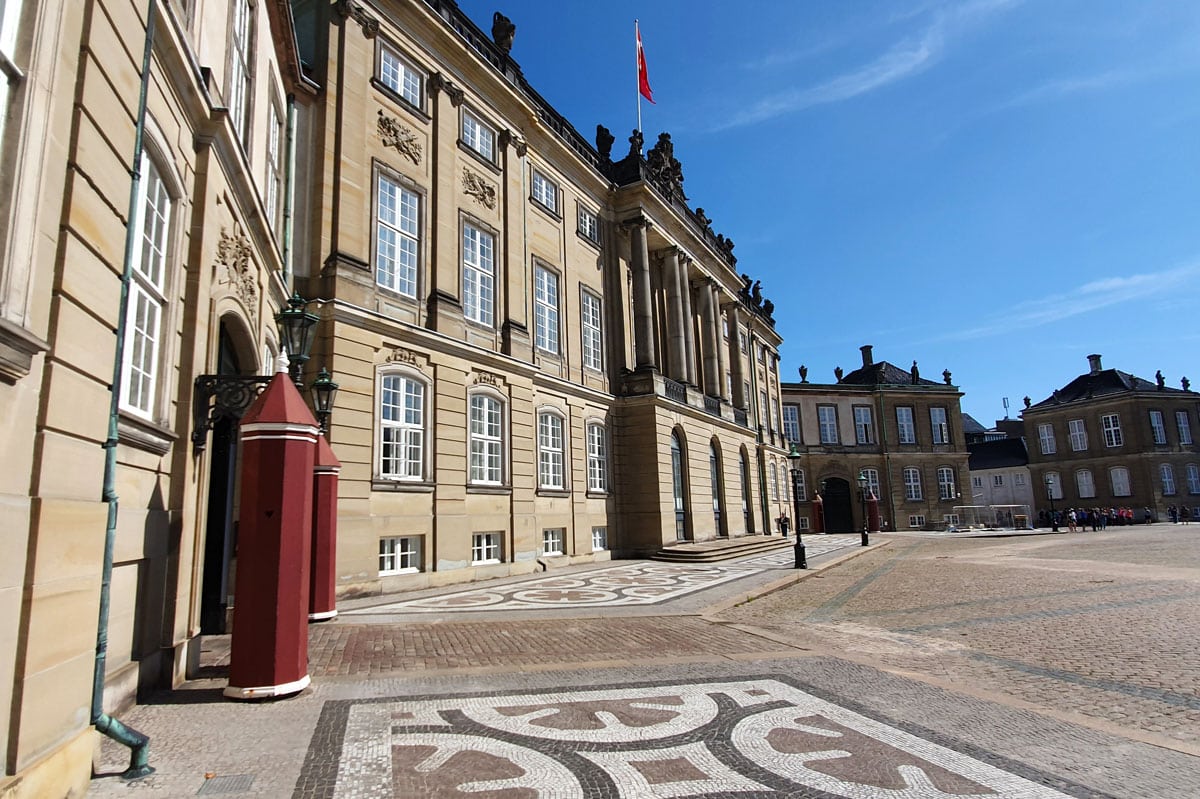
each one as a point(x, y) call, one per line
point(708, 328)
point(689, 343)
point(676, 349)
point(445, 306)
point(735, 355)
point(722, 364)
point(643, 312)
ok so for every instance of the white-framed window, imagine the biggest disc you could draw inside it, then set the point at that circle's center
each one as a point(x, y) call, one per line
point(551, 473)
point(772, 486)
point(945, 478)
point(916, 521)
point(1054, 487)
point(552, 540)
point(589, 224)
point(872, 476)
point(485, 548)
point(906, 428)
point(274, 165)
point(545, 309)
point(478, 135)
point(1019, 480)
point(1111, 423)
point(1158, 427)
point(1046, 439)
point(10, 74)
point(800, 488)
point(864, 427)
point(1118, 476)
point(590, 309)
point(147, 293)
point(401, 427)
point(399, 555)
point(802, 523)
point(763, 412)
point(1167, 475)
point(951, 520)
point(912, 483)
point(239, 70)
point(976, 481)
point(479, 275)
point(397, 234)
point(1078, 434)
point(939, 425)
point(998, 480)
point(1084, 484)
point(545, 192)
point(791, 423)
point(599, 539)
point(1193, 478)
point(597, 457)
point(827, 423)
point(776, 419)
point(1184, 426)
point(399, 75)
point(487, 439)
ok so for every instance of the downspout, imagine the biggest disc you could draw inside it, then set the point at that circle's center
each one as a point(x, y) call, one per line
point(289, 183)
point(105, 724)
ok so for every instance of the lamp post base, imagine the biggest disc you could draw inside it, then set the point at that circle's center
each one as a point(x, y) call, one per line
point(866, 541)
point(801, 558)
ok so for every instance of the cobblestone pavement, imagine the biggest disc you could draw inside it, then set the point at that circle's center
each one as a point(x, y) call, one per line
point(1033, 667)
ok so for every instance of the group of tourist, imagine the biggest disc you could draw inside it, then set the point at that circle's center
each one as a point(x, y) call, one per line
point(1079, 519)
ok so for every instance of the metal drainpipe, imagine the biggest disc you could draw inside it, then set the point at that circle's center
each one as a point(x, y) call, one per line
point(105, 724)
point(289, 182)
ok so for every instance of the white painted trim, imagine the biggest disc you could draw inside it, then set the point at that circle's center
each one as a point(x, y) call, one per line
point(268, 691)
point(281, 427)
point(322, 616)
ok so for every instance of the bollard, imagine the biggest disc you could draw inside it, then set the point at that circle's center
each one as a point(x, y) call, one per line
point(801, 560)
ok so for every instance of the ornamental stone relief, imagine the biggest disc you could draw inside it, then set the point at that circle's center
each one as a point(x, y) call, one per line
point(402, 138)
point(234, 255)
point(479, 188)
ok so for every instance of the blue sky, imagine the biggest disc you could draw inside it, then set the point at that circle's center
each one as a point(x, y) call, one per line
point(994, 187)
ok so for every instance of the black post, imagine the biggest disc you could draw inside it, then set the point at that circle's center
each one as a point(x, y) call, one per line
point(801, 558)
point(1050, 495)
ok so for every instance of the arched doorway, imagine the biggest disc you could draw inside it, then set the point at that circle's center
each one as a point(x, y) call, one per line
point(718, 489)
point(679, 487)
point(747, 516)
point(839, 514)
point(220, 525)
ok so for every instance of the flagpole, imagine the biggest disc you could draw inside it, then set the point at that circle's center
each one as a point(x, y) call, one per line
point(637, 73)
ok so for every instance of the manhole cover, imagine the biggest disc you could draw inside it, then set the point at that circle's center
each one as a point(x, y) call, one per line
point(231, 783)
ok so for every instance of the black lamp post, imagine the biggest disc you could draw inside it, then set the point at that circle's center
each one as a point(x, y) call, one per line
point(324, 391)
point(1050, 494)
point(794, 460)
point(296, 335)
point(863, 483)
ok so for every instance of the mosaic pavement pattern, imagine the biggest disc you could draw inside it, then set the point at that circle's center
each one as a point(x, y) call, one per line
point(745, 737)
point(627, 585)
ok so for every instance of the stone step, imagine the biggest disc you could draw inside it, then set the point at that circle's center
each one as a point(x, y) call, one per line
point(721, 549)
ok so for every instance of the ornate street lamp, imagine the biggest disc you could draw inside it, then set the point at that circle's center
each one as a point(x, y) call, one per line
point(324, 392)
point(296, 327)
point(794, 460)
point(863, 483)
point(1050, 494)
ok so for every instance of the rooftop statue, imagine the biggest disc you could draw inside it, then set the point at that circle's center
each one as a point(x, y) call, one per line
point(503, 31)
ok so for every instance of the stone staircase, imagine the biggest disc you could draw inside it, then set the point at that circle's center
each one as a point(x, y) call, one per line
point(721, 548)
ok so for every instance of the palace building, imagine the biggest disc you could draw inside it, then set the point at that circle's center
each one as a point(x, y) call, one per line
point(545, 354)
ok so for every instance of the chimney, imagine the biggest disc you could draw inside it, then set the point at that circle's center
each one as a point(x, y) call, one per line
point(868, 358)
point(1094, 362)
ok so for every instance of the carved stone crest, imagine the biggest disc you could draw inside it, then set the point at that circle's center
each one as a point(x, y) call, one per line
point(234, 254)
point(402, 355)
point(399, 136)
point(664, 169)
point(479, 188)
point(488, 379)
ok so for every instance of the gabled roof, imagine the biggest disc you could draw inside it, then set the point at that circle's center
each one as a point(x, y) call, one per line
point(999, 454)
point(971, 426)
point(884, 373)
point(1105, 382)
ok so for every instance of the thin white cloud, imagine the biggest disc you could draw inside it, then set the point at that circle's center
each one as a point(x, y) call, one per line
point(1081, 300)
point(1053, 90)
point(902, 60)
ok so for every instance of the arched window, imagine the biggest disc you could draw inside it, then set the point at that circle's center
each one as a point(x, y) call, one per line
point(1119, 477)
point(1084, 484)
point(872, 476)
point(678, 487)
point(551, 469)
point(597, 457)
point(1167, 475)
point(912, 483)
point(772, 487)
point(945, 478)
point(783, 482)
point(401, 427)
point(1054, 488)
point(486, 439)
point(1193, 478)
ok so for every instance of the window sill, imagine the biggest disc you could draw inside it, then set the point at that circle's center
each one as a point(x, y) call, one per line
point(144, 434)
point(471, 151)
point(596, 494)
point(489, 489)
point(400, 572)
point(588, 240)
point(488, 562)
point(545, 209)
point(412, 486)
point(553, 492)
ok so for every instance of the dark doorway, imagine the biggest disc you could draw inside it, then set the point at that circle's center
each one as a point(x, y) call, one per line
point(219, 534)
point(839, 515)
point(679, 488)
